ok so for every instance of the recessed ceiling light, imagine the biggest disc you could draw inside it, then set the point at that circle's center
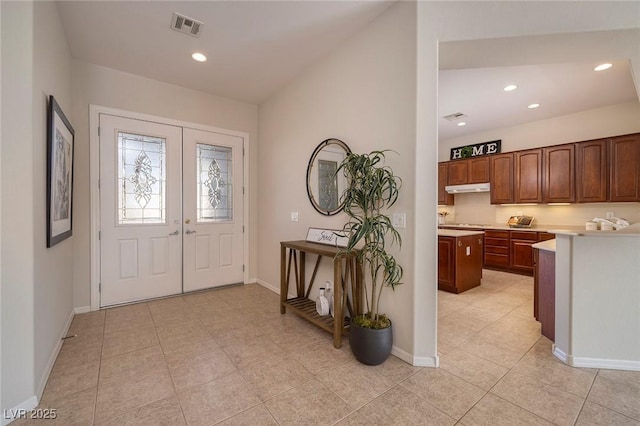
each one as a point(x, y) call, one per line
point(197, 56)
point(510, 88)
point(533, 106)
point(462, 123)
point(603, 67)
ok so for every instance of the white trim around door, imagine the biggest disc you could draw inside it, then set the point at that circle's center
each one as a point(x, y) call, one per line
point(94, 175)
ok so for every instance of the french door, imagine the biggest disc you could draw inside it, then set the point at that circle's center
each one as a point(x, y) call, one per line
point(171, 210)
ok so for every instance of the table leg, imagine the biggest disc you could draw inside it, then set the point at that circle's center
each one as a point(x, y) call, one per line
point(284, 285)
point(338, 316)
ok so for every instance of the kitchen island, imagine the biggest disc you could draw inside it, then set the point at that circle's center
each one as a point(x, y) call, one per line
point(459, 259)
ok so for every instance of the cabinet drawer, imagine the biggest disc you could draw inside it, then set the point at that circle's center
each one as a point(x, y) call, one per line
point(496, 259)
point(496, 234)
point(496, 250)
point(545, 236)
point(496, 242)
point(520, 235)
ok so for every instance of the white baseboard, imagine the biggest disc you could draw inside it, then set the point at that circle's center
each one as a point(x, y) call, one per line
point(82, 310)
point(52, 358)
point(269, 286)
point(584, 362)
point(416, 361)
point(20, 411)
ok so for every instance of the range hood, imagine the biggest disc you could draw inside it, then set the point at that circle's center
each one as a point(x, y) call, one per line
point(474, 187)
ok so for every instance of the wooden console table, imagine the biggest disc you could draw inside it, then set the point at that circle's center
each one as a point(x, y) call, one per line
point(347, 287)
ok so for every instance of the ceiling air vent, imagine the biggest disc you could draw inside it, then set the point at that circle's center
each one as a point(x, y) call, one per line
point(186, 25)
point(455, 116)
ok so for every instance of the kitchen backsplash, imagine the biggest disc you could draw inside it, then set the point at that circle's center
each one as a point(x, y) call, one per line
point(477, 209)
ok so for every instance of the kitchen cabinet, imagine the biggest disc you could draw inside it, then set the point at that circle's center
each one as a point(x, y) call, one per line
point(624, 168)
point(544, 291)
point(501, 178)
point(444, 198)
point(496, 249)
point(592, 162)
point(470, 170)
point(459, 260)
point(528, 176)
point(521, 252)
point(559, 174)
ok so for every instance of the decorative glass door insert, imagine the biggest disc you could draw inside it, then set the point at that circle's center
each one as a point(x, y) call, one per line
point(215, 183)
point(141, 179)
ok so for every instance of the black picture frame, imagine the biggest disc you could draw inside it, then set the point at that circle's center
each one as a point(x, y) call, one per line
point(60, 148)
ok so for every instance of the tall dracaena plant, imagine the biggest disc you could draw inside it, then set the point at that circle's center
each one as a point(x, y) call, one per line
point(372, 188)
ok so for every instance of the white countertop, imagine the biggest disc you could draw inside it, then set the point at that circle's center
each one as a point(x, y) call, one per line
point(549, 245)
point(457, 233)
point(629, 231)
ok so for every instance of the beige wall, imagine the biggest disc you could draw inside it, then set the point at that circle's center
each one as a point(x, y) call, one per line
point(53, 268)
point(364, 94)
point(93, 84)
point(18, 204)
point(593, 124)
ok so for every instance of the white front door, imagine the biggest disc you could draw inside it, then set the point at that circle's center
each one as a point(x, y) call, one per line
point(140, 209)
point(213, 209)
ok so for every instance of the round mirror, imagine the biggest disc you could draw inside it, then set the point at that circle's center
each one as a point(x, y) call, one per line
point(324, 185)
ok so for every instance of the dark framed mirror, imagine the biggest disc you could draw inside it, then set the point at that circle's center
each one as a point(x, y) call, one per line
point(324, 185)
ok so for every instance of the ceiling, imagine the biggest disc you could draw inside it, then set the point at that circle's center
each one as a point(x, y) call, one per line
point(257, 47)
point(560, 89)
point(253, 47)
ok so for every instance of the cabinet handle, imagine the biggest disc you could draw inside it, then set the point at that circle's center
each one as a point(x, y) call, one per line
point(459, 243)
point(480, 241)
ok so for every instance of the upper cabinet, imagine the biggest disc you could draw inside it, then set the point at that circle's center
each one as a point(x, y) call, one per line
point(592, 163)
point(444, 198)
point(559, 174)
point(501, 178)
point(528, 176)
point(471, 170)
point(624, 168)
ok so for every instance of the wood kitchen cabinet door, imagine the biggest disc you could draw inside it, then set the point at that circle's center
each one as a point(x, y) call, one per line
point(559, 174)
point(501, 178)
point(478, 170)
point(458, 171)
point(528, 176)
point(521, 250)
point(624, 170)
point(592, 165)
point(444, 199)
point(446, 264)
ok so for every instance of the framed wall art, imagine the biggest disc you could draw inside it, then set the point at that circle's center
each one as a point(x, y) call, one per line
point(60, 140)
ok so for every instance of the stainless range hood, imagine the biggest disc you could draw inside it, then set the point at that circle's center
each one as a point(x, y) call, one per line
point(474, 187)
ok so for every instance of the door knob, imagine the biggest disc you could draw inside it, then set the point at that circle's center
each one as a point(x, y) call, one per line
point(174, 233)
point(189, 231)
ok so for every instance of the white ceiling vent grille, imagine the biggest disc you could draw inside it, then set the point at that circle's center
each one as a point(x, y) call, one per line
point(186, 25)
point(455, 116)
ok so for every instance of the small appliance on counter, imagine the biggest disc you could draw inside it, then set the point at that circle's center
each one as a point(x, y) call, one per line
point(520, 221)
point(608, 224)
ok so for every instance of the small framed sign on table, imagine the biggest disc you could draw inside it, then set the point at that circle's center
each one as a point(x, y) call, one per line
point(331, 237)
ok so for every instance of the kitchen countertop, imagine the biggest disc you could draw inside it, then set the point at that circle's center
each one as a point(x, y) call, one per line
point(457, 233)
point(534, 228)
point(549, 245)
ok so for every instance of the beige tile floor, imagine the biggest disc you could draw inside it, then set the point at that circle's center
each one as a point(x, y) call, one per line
point(228, 357)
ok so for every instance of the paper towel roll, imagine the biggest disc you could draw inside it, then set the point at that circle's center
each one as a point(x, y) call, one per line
point(606, 226)
point(591, 226)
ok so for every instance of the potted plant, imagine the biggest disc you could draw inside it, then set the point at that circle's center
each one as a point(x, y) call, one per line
point(371, 189)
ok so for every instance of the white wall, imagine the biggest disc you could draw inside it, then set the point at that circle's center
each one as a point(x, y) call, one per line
point(53, 268)
point(364, 94)
point(93, 84)
point(586, 125)
point(18, 205)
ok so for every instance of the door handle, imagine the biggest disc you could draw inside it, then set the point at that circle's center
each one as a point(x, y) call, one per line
point(174, 233)
point(189, 231)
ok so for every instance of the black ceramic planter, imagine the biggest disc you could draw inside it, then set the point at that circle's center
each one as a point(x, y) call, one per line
point(370, 346)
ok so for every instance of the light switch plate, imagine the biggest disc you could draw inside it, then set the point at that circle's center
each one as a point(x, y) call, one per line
point(294, 216)
point(399, 220)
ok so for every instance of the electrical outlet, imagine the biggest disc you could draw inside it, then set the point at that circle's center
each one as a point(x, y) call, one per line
point(399, 220)
point(294, 216)
point(610, 215)
point(519, 213)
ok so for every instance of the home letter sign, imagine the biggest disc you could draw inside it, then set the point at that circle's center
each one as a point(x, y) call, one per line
point(485, 148)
